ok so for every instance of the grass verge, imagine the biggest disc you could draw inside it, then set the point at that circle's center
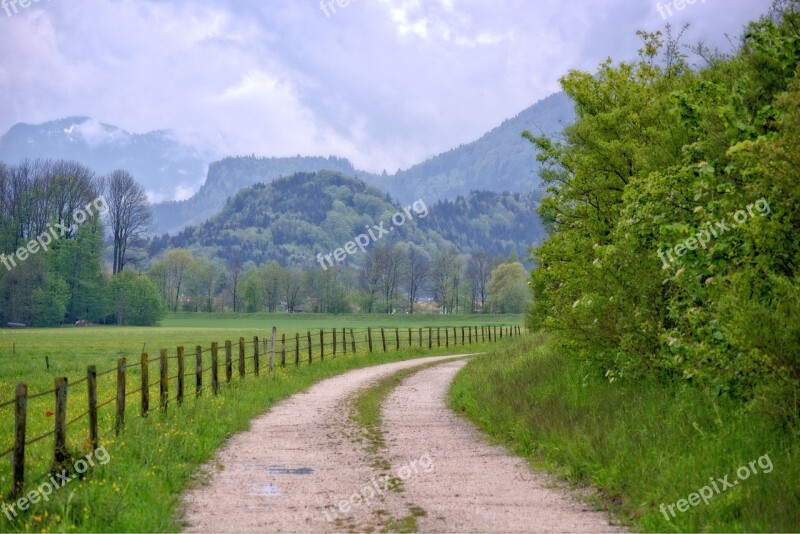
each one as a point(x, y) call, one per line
point(641, 444)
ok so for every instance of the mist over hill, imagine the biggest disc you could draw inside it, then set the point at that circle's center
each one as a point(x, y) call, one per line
point(499, 161)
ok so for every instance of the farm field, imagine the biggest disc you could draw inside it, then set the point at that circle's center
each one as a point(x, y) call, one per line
point(70, 350)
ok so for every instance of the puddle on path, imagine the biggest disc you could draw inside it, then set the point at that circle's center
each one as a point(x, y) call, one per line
point(278, 470)
point(266, 490)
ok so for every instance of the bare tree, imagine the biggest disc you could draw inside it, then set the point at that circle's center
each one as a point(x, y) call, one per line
point(129, 214)
point(292, 287)
point(389, 261)
point(369, 277)
point(479, 270)
point(235, 272)
point(446, 279)
point(417, 267)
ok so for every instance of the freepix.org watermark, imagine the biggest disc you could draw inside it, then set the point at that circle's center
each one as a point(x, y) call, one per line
point(11, 5)
point(714, 230)
point(665, 10)
point(717, 486)
point(326, 5)
point(361, 242)
point(55, 232)
point(378, 487)
point(56, 481)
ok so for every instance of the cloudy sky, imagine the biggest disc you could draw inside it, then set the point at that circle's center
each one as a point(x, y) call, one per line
point(385, 83)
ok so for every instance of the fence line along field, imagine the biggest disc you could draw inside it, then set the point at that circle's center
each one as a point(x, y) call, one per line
point(70, 403)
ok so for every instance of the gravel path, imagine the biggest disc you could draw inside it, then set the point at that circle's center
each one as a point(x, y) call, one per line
point(305, 467)
point(472, 486)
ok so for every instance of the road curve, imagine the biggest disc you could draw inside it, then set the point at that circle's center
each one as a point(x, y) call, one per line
point(304, 466)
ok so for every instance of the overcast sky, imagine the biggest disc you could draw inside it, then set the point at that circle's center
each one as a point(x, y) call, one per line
point(385, 83)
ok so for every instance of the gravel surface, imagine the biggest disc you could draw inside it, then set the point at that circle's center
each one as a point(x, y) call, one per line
point(304, 467)
point(473, 486)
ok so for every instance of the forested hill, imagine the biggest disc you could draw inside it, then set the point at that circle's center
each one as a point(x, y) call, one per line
point(501, 224)
point(226, 177)
point(499, 161)
point(291, 220)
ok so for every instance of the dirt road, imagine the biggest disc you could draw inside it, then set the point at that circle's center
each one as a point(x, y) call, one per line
point(303, 467)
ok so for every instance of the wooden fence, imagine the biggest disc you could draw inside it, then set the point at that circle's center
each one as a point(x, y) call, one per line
point(251, 357)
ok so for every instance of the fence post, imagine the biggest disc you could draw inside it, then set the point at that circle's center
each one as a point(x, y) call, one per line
point(272, 350)
point(409, 338)
point(198, 368)
point(483, 334)
point(60, 441)
point(455, 336)
point(438, 337)
point(420, 338)
point(462, 335)
point(383, 339)
point(447, 338)
point(215, 367)
point(297, 348)
point(283, 350)
point(181, 373)
point(430, 337)
point(145, 385)
point(164, 379)
point(470, 335)
point(344, 339)
point(91, 393)
point(321, 346)
point(18, 457)
point(255, 355)
point(120, 420)
point(353, 341)
point(228, 361)
point(308, 334)
point(241, 358)
point(334, 342)
point(369, 339)
point(397, 337)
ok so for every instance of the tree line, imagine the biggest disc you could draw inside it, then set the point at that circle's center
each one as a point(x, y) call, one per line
point(400, 278)
point(70, 281)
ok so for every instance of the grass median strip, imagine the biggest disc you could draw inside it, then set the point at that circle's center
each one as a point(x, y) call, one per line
point(365, 411)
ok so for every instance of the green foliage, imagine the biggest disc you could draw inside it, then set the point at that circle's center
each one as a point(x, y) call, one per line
point(659, 154)
point(500, 224)
point(508, 288)
point(134, 300)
